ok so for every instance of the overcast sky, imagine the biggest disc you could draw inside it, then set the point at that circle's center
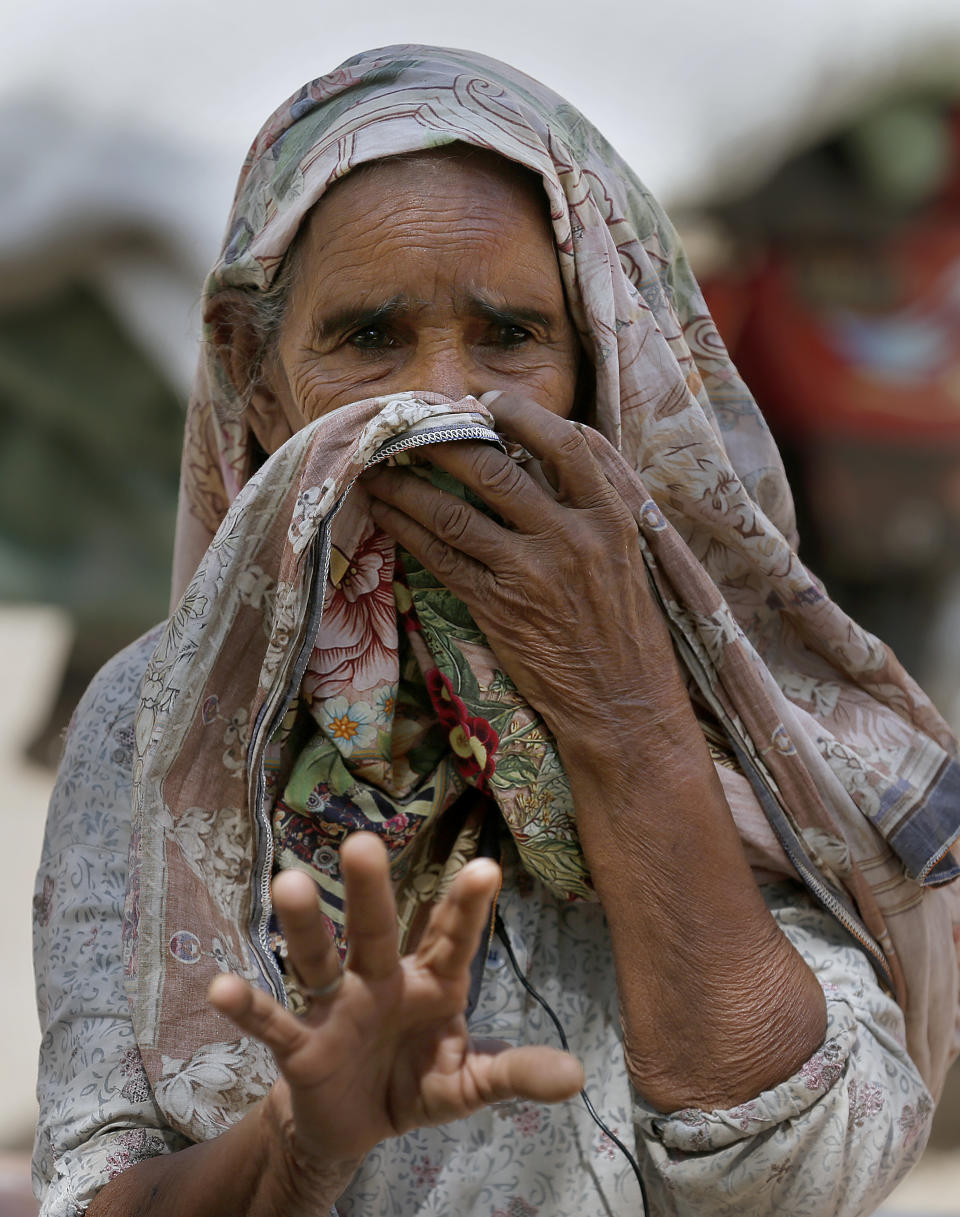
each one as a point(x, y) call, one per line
point(683, 87)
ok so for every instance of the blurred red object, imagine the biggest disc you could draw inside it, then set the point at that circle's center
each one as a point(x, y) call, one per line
point(855, 341)
point(851, 346)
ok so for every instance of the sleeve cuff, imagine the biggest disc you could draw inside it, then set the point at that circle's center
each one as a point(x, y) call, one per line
point(691, 1130)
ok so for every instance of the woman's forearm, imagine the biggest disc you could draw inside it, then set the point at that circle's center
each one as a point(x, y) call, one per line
point(716, 1004)
point(252, 1170)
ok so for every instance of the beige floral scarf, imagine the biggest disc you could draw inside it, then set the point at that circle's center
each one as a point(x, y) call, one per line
point(275, 650)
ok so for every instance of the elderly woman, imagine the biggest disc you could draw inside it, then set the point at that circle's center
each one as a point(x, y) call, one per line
point(485, 556)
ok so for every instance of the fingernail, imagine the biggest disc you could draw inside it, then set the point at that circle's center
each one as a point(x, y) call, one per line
point(487, 399)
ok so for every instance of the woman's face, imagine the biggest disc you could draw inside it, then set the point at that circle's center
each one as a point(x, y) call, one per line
point(428, 273)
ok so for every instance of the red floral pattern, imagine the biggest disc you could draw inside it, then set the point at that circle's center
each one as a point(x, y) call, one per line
point(425, 1173)
point(866, 1100)
point(527, 1120)
point(516, 1207)
point(915, 1119)
point(824, 1068)
point(473, 741)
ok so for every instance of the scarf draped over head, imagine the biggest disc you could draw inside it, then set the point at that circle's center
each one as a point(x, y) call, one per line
point(313, 681)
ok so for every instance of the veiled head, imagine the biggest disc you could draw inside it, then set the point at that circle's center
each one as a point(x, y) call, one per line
point(433, 271)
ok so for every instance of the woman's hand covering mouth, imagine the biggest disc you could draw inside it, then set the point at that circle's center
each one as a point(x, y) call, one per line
point(557, 588)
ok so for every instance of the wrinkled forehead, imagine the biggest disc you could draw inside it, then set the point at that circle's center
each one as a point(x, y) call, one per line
point(369, 110)
point(442, 174)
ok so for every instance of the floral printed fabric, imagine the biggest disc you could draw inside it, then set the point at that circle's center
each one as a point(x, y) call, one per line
point(833, 1139)
point(841, 747)
point(217, 740)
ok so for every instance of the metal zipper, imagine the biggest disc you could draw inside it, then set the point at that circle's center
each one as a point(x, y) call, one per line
point(435, 435)
point(287, 684)
point(270, 717)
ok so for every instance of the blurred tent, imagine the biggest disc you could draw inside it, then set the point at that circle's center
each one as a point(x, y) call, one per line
point(102, 250)
point(835, 282)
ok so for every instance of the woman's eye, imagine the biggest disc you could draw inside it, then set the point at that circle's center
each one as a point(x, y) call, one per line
point(370, 338)
point(512, 336)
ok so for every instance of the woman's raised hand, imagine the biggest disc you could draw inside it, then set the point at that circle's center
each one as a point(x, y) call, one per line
point(387, 1050)
point(558, 589)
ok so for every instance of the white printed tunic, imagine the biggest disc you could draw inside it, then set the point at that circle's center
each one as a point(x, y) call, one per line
point(834, 1138)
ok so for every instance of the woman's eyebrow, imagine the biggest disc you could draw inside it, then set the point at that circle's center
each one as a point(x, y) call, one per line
point(507, 314)
point(356, 316)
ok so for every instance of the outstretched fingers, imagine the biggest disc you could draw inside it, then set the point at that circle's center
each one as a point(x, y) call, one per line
point(371, 922)
point(452, 936)
point(310, 949)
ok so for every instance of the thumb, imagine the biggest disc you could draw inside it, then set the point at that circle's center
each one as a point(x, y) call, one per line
point(541, 1074)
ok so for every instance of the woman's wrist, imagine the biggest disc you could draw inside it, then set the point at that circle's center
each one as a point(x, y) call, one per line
point(307, 1181)
point(253, 1169)
point(606, 759)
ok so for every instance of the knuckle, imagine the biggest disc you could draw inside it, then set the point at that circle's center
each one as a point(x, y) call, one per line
point(452, 518)
point(572, 443)
point(437, 556)
point(610, 535)
point(497, 473)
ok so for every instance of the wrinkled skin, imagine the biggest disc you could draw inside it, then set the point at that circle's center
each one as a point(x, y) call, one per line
point(716, 1005)
point(540, 588)
point(386, 1052)
point(401, 266)
point(439, 273)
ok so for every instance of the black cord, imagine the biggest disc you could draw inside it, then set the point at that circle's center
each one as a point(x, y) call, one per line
point(501, 932)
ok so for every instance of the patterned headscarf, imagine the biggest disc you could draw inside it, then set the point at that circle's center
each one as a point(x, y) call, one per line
point(853, 769)
point(625, 274)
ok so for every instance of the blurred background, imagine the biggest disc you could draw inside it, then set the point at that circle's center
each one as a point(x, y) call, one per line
point(809, 152)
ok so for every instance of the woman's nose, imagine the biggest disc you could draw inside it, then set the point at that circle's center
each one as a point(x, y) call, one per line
point(446, 367)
